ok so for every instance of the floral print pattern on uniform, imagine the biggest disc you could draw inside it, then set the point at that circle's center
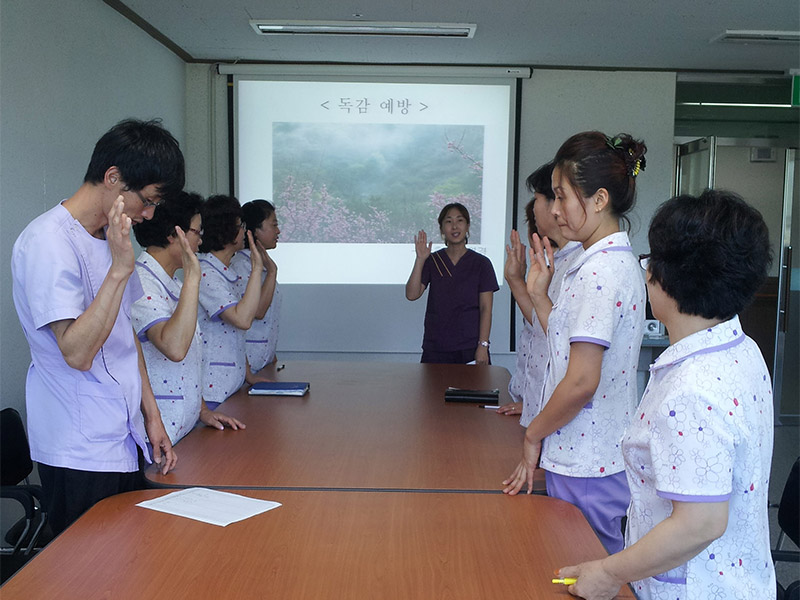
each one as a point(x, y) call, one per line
point(602, 301)
point(703, 433)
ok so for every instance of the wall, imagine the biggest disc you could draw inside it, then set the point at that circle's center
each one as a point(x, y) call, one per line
point(555, 104)
point(68, 72)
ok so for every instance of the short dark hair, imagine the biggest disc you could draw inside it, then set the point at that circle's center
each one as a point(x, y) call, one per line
point(538, 182)
point(592, 160)
point(175, 210)
point(541, 181)
point(144, 152)
point(710, 253)
point(220, 214)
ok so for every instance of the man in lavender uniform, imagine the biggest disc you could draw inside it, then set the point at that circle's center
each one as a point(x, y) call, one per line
point(89, 402)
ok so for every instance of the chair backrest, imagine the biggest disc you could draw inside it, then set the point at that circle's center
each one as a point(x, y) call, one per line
point(15, 454)
point(789, 508)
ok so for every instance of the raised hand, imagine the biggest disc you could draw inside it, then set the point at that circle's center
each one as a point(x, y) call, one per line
point(541, 272)
point(256, 254)
point(189, 262)
point(515, 266)
point(118, 235)
point(422, 245)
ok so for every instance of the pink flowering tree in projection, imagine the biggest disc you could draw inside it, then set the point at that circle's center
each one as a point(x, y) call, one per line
point(314, 215)
point(415, 181)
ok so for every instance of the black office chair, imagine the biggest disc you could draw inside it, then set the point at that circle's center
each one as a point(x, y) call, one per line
point(29, 534)
point(789, 522)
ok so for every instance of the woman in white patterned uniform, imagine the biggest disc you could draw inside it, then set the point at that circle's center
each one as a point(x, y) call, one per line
point(225, 314)
point(165, 317)
point(594, 333)
point(698, 453)
point(261, 339)
point(527, 381)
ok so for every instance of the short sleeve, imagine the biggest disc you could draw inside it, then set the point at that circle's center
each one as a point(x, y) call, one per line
point(51, 278)
point(692, 449)
point(488, 280)
point(600, 309)
point(217, 294)
point(154, 306)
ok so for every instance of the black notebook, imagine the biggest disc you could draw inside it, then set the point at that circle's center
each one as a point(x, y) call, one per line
point(452, 394)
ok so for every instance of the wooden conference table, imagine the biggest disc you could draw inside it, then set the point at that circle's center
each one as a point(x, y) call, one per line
point(366, 425)
point(319, 544)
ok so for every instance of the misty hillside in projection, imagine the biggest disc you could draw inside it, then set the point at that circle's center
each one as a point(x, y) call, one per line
point(373, 183)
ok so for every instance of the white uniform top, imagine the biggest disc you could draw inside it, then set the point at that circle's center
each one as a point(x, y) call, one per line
point(223, 345)
point(602, 301)
point(176, 385)
point(703, 433)
point(528, 378)
point(262, 338)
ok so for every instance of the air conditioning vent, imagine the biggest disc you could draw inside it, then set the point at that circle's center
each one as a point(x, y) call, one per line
point(763, 154)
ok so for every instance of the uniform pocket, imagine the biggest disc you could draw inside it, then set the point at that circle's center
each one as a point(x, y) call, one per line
point(103, 412)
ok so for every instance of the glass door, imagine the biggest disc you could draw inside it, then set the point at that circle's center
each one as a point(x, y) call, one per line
point(695, 166)
point(786, 368)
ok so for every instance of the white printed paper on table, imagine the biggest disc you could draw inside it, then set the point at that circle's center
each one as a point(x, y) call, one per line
point(209, 506)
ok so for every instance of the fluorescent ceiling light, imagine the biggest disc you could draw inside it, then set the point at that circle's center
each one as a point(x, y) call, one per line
point(748, 36)
point(446, 30)
point(735, 104)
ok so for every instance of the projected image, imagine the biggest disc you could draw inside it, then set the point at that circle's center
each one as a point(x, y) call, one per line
point(375, 182)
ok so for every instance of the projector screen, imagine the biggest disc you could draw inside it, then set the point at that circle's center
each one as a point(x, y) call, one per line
point(356, 168)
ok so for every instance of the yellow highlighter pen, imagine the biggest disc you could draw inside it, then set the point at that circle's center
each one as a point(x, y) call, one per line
point(565, 581)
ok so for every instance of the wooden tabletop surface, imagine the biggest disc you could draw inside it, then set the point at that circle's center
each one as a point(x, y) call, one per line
point(366, 425)
point(319, 544)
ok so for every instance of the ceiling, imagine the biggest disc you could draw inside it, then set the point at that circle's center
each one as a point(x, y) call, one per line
point(613, 34)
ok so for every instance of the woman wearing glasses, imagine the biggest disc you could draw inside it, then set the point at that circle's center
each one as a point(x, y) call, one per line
point(594, 333)
point(698, 453)
point(165, 317)
point(225, 314)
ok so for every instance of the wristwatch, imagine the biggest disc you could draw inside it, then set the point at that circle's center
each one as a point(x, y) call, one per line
point(484, 343)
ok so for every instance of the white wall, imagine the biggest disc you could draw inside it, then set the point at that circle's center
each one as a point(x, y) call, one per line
point(68, 72)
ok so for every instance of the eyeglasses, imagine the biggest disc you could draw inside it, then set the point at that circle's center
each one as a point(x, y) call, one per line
point(145, 202)
point(644, 261)
point(197, 232)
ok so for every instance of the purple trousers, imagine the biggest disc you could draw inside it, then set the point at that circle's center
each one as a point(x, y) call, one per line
point(602, 500)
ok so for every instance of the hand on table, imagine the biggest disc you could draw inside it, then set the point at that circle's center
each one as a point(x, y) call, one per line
point(593, 581)
point(523, 474)
point(219, 420)
point(512, 408)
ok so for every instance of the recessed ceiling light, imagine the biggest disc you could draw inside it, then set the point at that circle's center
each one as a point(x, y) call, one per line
point(368, 28)
point(747, 36)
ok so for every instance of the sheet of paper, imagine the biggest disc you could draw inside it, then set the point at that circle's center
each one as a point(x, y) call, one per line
point(209, 506)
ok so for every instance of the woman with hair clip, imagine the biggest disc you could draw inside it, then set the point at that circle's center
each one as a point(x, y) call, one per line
point(698, 454)
point(458, 317)
point(225, 313)
point(261, 339)
point(594, 332)
point(527, 381)
point(165, 317)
